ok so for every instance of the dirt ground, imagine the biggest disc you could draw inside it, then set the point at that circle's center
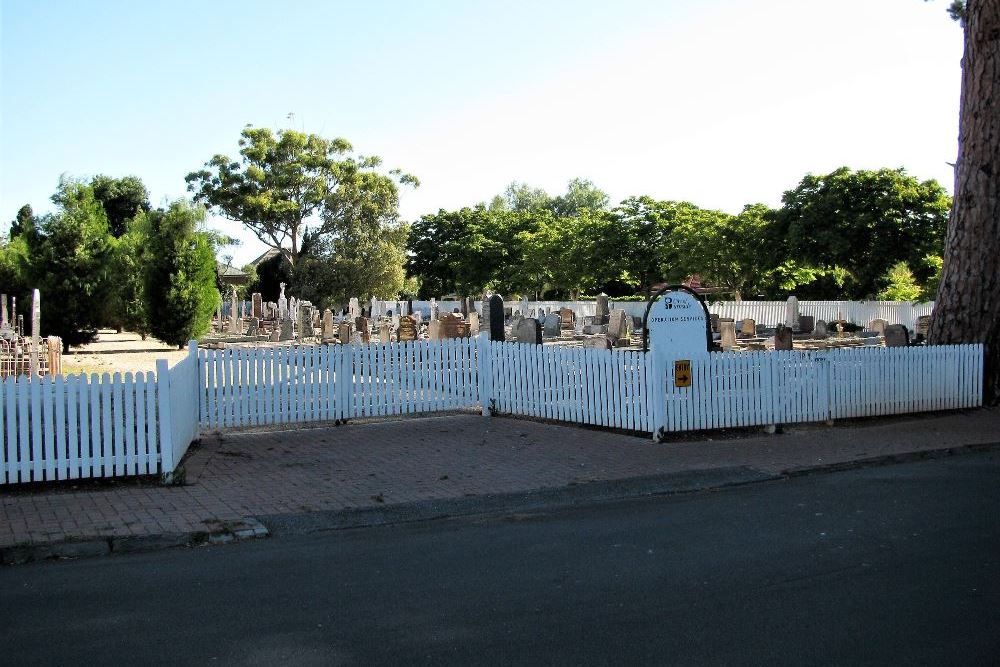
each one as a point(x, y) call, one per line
point(119, 353)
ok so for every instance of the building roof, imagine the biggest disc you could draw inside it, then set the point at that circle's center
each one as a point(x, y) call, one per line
point(269, 254)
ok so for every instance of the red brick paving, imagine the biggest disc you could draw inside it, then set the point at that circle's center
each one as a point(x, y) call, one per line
point(234, 475)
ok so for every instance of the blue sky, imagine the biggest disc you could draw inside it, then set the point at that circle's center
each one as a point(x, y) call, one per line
point(720, 103)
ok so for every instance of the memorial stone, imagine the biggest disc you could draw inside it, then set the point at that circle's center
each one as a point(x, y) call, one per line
point(783, 338)
point(922, 327)
point(385, 334)
point(748, 327)
point(714, 320)
point(599, 342)
point(329, 333)
point(806, 323)
point(618, 325)
point(235, 323)
point(553, 325)
point(896, 335)
point(287, 328)
point(878, 326)
point(528, 330)
point(496, 320)
point(601, 309)
point(345, 332)
point(258, 305)
point(820, 330)
point(473, 323)
point(727, 329)
point(406, 329)
point(282, 303)
point(567, 318)
point(792, 313)
point(434, 330)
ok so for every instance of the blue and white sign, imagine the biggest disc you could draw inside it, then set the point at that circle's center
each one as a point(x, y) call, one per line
point(678, 326)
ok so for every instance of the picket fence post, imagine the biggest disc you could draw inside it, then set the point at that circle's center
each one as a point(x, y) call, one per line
point(163, 420)
point(485, 369)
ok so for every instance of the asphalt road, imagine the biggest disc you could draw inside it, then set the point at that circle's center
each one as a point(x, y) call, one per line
point(897, 564)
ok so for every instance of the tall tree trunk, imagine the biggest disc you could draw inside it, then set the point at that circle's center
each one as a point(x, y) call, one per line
point(968, 300)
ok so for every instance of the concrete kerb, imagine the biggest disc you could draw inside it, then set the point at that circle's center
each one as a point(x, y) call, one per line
point(216, 532)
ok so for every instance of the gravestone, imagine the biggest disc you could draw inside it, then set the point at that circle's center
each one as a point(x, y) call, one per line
point(496, 318)
point(783, 338)
point(806, 323)
point(528, 330)
point(878, 326)
point(363, 327)
point(601, 309)
point(678, 326)
point(384, 334)
point(345, 332)
point(820, 330)
point(305, 322)
point(434, 330)
point(792, 313)
point(592, 329)
point(275, 336)
point(473, 323)
point(36, 331)
point(434, 309)
point(713, 318)
point(922, 327)
point(618, 328)
point(235, 325)
point(453, 326)
point(353, 308)
point(553, 325)
point(728, 331)
point(3, 311)
point(406, 329)
point(566, 318)
point(282, 303)
point(258, 305)
point(287, 328)
point(329, 333)
point(599, 342)
point(748, 327)
point(896, 335)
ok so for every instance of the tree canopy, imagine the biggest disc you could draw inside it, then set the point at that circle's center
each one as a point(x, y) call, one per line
point(283, 181)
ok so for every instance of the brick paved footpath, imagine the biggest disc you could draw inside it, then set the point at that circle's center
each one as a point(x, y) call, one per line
point(246, 474)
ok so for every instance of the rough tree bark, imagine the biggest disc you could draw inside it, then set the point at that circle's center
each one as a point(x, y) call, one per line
point(967, 308)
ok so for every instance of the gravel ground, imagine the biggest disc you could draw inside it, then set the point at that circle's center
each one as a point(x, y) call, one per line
point(119, 353)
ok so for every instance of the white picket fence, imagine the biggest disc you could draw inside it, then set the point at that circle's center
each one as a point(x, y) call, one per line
point(54, 428)
point(258, 386)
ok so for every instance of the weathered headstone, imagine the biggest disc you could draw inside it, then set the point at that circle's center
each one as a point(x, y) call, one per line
point(599, 342)
point(406, 328)
point(235, 323)
point(727, 328)
point(345, 332)
point(353, 308)
point(528, 330)
point(36, 331)
point(287, 328)
point(896, 335)
point(384, 333)
point(792, 313)
point(363, 327)
point(453, 326)
point(524, 307)
point(553, 325)
point(820, 330)
point(3, 311)
point(567, 318)
point(328, 330)
point(783, 338)
point(878, 326)
point(714, 320)
point(618, 324)
point(601, 309)
point(434, 309)
point(258, 305)
point(922, 327)
point(275, 336)
point(434, 330)
point(254, 328)
point(496, 318)
point(748, 327)
point(282, 303)
point(473, 323)
point(806, 323)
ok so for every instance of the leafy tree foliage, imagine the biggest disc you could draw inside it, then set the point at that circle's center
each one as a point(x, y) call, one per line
point(68, 258)
point(900, 284)
point(24, 221)
point(863, 222)
point(282, 181)
point(122, 198)
point(128, 306)
point(179, 285)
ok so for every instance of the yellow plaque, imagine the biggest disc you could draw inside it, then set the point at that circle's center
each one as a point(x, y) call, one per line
point(682, 373)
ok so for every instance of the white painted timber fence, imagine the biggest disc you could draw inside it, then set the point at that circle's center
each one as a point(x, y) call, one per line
point(56, 428)
point(279, 385)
